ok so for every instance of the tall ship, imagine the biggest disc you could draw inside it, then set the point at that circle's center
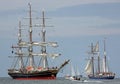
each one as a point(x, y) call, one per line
point(95, 68)
point(26, 52)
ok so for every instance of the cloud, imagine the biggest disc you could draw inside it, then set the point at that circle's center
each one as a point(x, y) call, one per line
point(85, 26)
point(71, 27)
point(64, 26)
point(47, 4)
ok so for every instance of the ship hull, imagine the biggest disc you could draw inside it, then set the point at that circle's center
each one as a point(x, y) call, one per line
point(34, 75)
point(101, 77)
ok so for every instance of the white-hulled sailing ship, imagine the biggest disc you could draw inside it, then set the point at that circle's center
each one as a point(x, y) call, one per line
point(95, 69)
point(25, 66)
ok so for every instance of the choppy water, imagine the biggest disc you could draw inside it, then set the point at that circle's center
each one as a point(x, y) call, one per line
point(57, 81)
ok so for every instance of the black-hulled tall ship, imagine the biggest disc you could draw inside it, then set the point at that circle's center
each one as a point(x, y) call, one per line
point(25, 66)
point(95, 68)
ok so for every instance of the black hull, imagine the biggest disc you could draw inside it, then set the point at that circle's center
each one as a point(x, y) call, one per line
point(34, 75)
point(43, 74)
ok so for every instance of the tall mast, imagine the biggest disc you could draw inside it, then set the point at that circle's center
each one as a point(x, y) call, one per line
point(92, 58)
point(30, 23)
point(30, 49)
point(19, 34)
point(20, 49)
point(105, 65)
point(98, 58)
point(43, 28)
point(43, 49)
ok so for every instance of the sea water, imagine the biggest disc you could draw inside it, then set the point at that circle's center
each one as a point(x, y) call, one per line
point(4, 80)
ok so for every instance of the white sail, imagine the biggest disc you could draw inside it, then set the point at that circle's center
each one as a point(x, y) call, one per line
point(88, 68)
point(105, 67)
point(72, 71)
point(96, 48)
point(77, 72)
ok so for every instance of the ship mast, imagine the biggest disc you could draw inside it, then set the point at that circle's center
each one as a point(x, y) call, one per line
point(21, 65)
point(98, 62)
point(92, 58)
point(105, 61)
point(19, 49)
point(98, 58)
point(43, 48)
point(30, 49)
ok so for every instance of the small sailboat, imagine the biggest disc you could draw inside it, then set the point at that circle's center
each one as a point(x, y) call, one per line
point(74, 75)
point(31, 56)
point(96, 69)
